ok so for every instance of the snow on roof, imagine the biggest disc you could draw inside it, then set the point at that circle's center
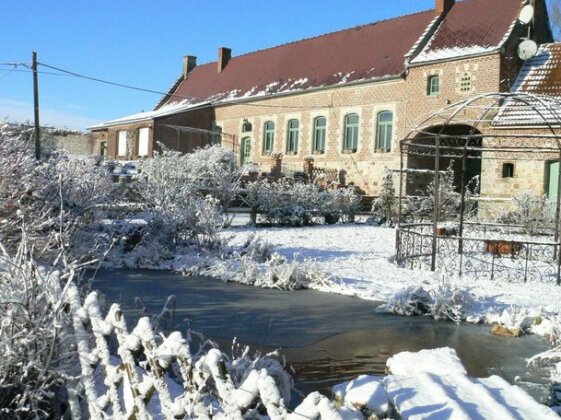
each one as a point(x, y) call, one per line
point(540, 78)
point(471, 27)
point(168, 109)
point(542, 73)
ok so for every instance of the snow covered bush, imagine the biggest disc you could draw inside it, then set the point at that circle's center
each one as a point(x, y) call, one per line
point(35, 336)
point(444, 302)
point(179, 211)
point(290, 203)
point(57, 194)
point(275, 273)
point(531, 211)
point(215, 171)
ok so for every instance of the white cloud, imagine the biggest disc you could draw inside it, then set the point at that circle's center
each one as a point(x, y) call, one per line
point(20, 111)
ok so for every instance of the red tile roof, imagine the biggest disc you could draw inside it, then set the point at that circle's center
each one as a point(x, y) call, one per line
point(471, 27)
point(368, 52)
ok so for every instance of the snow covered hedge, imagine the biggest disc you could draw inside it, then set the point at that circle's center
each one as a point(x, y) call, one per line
point(289, 203)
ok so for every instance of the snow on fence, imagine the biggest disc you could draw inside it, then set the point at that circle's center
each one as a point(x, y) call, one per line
point(139, 381)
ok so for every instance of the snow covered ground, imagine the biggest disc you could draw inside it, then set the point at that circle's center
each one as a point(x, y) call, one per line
point(361, 256)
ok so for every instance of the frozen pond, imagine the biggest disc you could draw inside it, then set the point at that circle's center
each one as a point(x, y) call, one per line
point(327, 338)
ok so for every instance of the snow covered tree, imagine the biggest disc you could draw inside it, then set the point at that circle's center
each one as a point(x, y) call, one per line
point(385, 205)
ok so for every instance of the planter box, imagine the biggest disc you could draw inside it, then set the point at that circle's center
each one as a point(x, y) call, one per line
point(497, 247)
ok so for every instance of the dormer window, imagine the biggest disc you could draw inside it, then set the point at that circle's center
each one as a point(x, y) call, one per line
point(433, 85)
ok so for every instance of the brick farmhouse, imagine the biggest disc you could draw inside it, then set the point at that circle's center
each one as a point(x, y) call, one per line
point(344, 98)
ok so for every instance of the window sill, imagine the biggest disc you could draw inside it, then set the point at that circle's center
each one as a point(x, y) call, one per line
point(348, 151)
point(318, 152)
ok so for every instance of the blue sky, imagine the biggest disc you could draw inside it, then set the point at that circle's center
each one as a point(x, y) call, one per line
point(141, 43)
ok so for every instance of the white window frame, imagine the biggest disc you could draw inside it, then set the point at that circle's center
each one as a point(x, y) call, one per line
point(143, 140)
point(122, 144)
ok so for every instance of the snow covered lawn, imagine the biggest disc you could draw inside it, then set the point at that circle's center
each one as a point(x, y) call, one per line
point(361, 256)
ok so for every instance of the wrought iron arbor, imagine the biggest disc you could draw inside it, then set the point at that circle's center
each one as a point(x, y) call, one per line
point(467, 141)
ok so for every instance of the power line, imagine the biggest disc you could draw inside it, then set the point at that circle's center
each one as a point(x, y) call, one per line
point(7, 73)
point(95, 79)
point(30, 71)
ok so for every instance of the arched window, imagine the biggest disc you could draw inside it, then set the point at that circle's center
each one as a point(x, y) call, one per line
point(318, 141)
point(268, 137)
point(245, 151)
point(292, 133)
point(384, 127)
point(350, 135)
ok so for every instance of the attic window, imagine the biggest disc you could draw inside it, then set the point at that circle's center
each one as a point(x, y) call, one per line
point(508, 170)
point(465, 82)
point(433, 85)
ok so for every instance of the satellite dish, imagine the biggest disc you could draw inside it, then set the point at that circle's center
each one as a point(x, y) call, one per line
point(527, 49)
point(526, 14)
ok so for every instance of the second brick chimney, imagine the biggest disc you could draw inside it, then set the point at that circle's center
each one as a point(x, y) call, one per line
point(442, 6)
point(189, 63)
point(224, 55)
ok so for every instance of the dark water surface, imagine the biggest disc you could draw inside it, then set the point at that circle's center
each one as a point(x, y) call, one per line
point(326, 338)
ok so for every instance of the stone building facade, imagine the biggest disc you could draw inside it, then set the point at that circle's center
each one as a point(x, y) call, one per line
point(345, 98)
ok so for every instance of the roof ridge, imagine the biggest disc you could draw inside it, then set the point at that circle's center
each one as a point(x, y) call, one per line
point(321, 35)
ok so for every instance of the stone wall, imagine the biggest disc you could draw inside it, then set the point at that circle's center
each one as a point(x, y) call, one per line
point(73, 144)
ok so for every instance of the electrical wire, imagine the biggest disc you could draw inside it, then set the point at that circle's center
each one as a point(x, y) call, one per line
point(31, 71)
point(107, 82)
point(8, 73)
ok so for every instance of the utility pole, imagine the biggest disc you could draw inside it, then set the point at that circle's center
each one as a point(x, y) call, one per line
point(37, 131)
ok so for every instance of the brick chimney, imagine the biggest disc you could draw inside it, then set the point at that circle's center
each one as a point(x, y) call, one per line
point(224, 55)
point(442, 6)
point(189, 63)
